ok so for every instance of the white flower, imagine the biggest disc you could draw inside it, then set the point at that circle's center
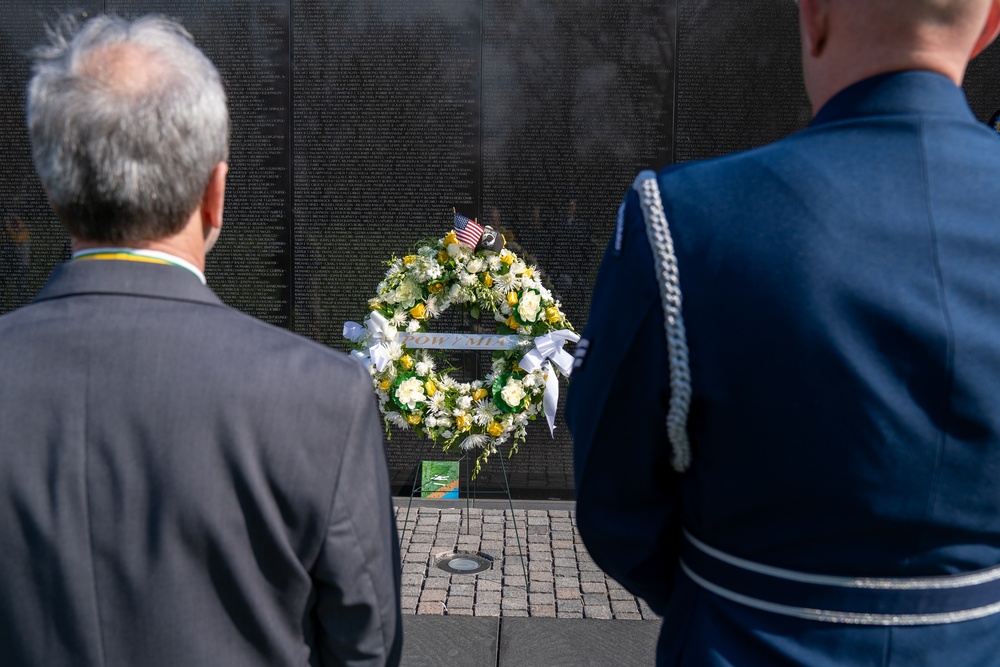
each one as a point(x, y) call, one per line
point(394, 269)
point(546, 294)
point(473, 441)
point(513, 393)
point(397, 419)
point(395, 350)
point(466, 279)
point(458, 250)
point(517, 268)
point(433, 271)
point(455, 293)
point(410, 392)
point(431, 422)
point(413, 326)
point(529, 306)
point(498, 366)
point(391, 333)
point(399, 319)
point(444, 422)
point(532, 380)
point(432, 307)
point(464, 402)
point(437, 401)
point(508, 282)
point(422, 369)
point(406, 293)
point(484, 412)
point(447, 382)
point(495, 262)
point(447, 435)
point(475, 266)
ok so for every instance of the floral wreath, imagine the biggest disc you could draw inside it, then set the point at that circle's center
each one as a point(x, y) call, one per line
point(414, 387)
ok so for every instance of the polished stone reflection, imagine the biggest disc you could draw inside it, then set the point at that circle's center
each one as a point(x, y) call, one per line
point(357, 126)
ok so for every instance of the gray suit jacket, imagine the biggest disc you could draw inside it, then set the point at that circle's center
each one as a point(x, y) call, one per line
point(184, 485)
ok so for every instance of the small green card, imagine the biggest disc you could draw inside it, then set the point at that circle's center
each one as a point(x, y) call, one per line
point(439, 479)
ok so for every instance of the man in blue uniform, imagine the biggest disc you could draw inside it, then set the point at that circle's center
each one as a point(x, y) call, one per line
point(841, 301)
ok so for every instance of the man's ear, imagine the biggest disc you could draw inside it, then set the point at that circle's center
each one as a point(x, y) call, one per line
point(990, 30)
point(815, 21)
point(211, 205)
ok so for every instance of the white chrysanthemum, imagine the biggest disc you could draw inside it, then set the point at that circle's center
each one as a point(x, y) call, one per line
point(464, 402)
point(517, 268)
point(466, 279)
point(475, 265)
point(410, 392)
point(513, 393)
point(398, 320)
point(474, 441)
point(484, 412)
point(529, 306)
point(422, 369)
point(506, 283)
point(413, 326)
point(396, 419)
point(477, 384)
point(437, 401)
point(494, 262)
point(394, 349)
point(447, 382)
point(432, 307)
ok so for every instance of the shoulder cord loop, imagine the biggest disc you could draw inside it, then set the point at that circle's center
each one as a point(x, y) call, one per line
point(662, 244)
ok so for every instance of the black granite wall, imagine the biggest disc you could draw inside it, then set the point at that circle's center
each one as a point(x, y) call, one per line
point(359, 124)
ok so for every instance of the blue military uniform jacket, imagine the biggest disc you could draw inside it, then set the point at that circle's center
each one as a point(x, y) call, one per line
point(842, 303)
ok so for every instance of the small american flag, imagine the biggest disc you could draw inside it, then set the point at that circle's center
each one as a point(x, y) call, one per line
point(467, 231)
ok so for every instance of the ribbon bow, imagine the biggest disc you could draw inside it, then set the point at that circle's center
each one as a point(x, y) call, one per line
point(548, 351)
point(379, 333)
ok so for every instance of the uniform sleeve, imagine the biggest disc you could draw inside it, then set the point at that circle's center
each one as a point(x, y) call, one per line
point(357, 574)
point(627, 507)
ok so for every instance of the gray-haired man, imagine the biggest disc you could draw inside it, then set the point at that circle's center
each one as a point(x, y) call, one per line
point(183, 484)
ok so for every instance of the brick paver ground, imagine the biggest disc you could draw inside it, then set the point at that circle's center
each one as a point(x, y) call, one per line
point(562, 580)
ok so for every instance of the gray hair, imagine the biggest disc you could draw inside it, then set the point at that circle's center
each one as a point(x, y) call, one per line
point(127, 121)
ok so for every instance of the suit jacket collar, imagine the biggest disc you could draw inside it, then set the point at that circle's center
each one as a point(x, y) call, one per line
point(126, 278)
point(909, 92)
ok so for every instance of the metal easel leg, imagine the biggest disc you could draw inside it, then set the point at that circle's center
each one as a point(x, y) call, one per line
point(517, 535)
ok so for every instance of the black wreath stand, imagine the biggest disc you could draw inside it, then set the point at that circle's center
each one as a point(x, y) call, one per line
point(470, 502)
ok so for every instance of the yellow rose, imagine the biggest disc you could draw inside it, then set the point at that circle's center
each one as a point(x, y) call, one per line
point(528, 273)
point(463, 422)
point(406, 361)
point(413, 419)
point(511, 298)
point(507, 259)
point(374, 304)
point(512, 323)
point(430, 388)
point(409, 259)
point(479, 394)
point(495, 429)
point(385, 385)
point(435, 288)
point(488, 280)
point(419, 312)
point(450, 238)
point(552, 314)
point(443, 257)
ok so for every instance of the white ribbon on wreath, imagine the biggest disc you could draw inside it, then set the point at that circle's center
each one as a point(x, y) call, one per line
point(379, 333)
point(549, 352)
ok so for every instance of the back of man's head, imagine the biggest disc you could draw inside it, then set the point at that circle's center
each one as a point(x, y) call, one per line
point(845, 41)
point(127, 121)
